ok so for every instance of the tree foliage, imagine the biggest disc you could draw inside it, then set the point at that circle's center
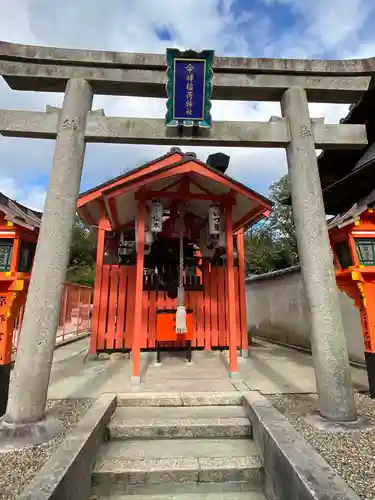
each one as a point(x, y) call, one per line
point(81, 268)
point(272, 244)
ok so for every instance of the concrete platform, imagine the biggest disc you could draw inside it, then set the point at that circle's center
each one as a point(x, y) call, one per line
point(270, 369)
point(72, 377)
point(273, 369)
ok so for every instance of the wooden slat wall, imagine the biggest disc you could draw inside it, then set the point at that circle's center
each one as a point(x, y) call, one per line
point(116, 310)
point(120, 327)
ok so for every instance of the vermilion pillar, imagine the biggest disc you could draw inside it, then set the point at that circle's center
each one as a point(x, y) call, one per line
point(98, 284)
point(136, 347)
point(242, 294)
point(233, 361)
point(15, 254)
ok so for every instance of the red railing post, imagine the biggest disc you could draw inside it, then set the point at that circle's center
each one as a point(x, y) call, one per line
point(88, 309)
point(63, 310)
point(18, 328)
point(79, 309)
point(83, 312)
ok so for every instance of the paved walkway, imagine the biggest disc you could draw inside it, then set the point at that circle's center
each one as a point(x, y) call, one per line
point(270, 369)
point(273, 369)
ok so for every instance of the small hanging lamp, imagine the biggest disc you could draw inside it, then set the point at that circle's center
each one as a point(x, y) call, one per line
point(214, 220)
point(156, 217)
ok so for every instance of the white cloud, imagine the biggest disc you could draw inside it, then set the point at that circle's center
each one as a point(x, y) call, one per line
point(133, 26)
point(8, 187)
point(32, 198)
point(322, 26)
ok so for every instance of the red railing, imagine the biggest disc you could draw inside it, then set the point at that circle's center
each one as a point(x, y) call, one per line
point(74, 313)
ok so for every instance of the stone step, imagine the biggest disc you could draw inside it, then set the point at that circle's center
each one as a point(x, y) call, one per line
point(244, 495)
point(147, 414)
point(231, 398)
point(176, 490)
point(180, 422)
point(172, 466)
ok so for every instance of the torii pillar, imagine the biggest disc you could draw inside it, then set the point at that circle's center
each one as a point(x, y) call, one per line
point(29, 382)
point(328, 344)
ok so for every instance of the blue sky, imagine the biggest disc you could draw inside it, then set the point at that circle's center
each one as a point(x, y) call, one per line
point(260, 28)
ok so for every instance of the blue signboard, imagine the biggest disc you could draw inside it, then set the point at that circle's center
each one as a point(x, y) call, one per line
point(189, 76)
point(189, 88)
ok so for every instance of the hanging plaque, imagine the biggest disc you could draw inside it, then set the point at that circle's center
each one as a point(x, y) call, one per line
point(189, 88)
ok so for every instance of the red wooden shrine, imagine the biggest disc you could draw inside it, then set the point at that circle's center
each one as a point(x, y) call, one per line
point(19, 228)
point(135, 279)
point(352, 237)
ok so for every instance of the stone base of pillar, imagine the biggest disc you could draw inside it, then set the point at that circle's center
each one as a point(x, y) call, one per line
point(91, 357)
point(135, 380)
point(235, 375)
point(4, 387)
point(316, 420)
point(370, 365)
point(117, 356)
point(18, 436)
point(244, 353)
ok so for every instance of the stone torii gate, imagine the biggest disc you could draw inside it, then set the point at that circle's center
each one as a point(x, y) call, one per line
point(81, 74)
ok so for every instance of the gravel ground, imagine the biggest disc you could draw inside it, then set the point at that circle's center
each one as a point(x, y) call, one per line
point(17, 468)
point(351, 454)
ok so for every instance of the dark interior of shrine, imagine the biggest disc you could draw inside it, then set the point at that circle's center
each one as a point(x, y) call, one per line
point(161, 259)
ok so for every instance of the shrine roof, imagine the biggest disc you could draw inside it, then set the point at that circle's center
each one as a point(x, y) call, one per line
point(19, 214)
point(349, 216)
point(347, 175)
point(206, 184)
point(95, 192)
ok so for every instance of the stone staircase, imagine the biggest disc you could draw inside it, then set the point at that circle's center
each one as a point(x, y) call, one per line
point(181, 447)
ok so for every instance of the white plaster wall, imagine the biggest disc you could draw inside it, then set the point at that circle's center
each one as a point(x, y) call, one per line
point(276, 309)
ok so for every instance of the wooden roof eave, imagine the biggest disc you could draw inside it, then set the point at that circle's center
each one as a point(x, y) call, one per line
point(95, 193)
point(173, 169)
point(184, 167)
point(335, 166)
point(137, 177)
point(11, 217)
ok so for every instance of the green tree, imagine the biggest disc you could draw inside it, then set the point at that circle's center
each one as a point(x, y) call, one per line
point(81, 268)
point(281, 224)
point(272, 244)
